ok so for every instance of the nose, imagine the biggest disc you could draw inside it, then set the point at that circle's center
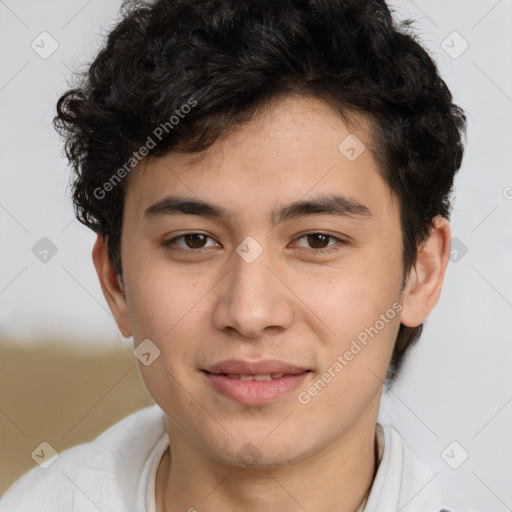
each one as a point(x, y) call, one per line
point(252, 300)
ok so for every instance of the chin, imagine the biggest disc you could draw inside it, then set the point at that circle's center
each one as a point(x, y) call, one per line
point(259, 452)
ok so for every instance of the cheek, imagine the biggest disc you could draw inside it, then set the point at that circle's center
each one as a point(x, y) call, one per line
point(355, 359)
point(360, 308)
point(161, 301)
point(167, 311)
point(167, 308)
point(353, 296)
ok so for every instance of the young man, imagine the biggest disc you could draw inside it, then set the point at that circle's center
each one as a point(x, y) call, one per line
point(269, 182)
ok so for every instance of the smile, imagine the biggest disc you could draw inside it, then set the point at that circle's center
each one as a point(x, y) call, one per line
point(252, 383)
point(268, 376)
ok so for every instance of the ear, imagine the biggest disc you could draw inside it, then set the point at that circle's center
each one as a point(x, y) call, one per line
point(425, 279)
point(112, 286)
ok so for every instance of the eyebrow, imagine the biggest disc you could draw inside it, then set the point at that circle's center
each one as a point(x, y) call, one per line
point(337, 205)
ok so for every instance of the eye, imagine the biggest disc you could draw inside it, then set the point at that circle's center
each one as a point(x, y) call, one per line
point(319, 241)
point(189, 241)
point(195, 242)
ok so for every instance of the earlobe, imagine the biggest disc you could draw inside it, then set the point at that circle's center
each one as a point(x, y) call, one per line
point(425, 279)
point(112, 286)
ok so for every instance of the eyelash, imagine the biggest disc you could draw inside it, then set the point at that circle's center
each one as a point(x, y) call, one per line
point(329, 248)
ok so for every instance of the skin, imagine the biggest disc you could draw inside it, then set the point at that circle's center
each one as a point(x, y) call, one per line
point(292, 303)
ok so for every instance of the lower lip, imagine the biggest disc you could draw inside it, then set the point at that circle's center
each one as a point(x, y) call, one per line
point(255, 392)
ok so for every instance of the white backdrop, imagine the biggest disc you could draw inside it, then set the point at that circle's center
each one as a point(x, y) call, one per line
point(457, 384)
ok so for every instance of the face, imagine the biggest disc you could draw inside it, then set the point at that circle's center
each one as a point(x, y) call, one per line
point(289, 276)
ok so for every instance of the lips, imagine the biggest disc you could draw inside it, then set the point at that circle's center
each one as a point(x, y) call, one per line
point(259, 377)
point(253, 383)
point(246, 368)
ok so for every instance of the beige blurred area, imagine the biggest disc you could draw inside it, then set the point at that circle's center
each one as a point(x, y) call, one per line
point(64, 397)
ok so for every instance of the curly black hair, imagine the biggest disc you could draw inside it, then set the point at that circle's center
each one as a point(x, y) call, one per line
point(225, 61)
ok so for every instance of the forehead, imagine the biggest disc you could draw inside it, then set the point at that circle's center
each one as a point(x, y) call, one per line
point(296, 148)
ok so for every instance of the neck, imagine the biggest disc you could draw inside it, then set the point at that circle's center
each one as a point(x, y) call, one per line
point(338, 478)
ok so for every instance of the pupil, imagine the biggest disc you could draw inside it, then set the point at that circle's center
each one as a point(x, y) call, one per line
point(195, 240)
point(317, 238)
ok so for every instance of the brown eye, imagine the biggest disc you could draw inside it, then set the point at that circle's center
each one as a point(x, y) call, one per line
point(195, 240)
point(190, 242)
point(318, 240)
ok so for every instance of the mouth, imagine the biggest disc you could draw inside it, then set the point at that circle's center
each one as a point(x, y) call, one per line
point(261, 377)
point(254, 383)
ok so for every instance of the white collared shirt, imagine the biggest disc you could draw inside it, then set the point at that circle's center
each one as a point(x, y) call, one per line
point(117, 471)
